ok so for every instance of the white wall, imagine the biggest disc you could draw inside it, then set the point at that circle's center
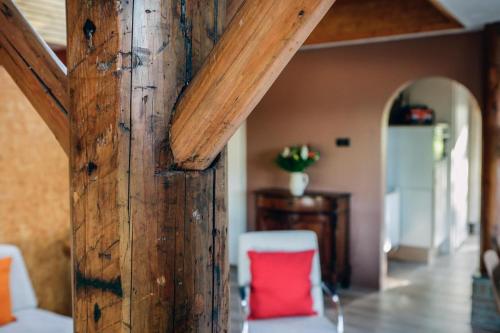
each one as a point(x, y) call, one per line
point(475, 145)
point(460, 165)
point(237, 190)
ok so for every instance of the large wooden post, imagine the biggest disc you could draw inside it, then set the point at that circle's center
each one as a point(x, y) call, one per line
point(149, 239)
point(491, 139)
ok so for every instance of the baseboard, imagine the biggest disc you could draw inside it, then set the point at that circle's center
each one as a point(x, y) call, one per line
point(411, 253)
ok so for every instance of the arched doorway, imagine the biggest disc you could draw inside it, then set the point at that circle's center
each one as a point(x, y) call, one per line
point(432, 173)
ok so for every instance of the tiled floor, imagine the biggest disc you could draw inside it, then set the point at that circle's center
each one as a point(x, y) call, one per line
point(425, 299)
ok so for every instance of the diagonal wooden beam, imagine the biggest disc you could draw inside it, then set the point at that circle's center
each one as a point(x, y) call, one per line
point(258, 43)
point(35, 69)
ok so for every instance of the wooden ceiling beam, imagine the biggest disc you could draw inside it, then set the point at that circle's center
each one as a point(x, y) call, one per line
point(35, 69)
point(349, 20)
point(258, 43)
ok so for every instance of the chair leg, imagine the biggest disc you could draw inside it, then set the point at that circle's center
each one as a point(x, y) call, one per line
point(340, 314)
point(336, 301)
point(244, 308)
point(245, 326)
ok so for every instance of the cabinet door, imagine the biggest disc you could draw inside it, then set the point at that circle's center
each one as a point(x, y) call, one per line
point(342, 265)
point(321, 224)
point(271, 220)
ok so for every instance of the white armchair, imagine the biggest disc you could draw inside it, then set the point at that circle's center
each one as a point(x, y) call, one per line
point(29, 319)
point(286, 241)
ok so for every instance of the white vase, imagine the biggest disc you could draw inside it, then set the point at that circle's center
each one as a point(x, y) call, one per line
point(298, 183)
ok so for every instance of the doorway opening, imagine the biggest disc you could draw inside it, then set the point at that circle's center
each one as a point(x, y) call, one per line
point(432, 202)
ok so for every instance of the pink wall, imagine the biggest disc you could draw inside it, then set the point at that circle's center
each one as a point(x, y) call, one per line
point(343, 92)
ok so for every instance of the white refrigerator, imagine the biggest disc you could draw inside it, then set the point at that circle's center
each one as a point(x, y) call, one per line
point(417, 192)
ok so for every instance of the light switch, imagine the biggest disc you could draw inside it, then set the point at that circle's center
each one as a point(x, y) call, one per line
point(343, 142)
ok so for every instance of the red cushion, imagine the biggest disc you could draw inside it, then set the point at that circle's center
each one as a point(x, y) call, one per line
point(281, 284)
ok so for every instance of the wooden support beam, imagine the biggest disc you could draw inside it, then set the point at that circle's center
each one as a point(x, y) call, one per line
point(149, 240)
point(36, 70)
point(490, 205)
point(258, 43)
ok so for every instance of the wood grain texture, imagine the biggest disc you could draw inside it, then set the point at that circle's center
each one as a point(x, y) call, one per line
point(144, 232)
point(232, 7)
point(491, 139)
point(36, 69)
point(363, 19)
point(258, 43)
point(221, 255)
point(99, 66)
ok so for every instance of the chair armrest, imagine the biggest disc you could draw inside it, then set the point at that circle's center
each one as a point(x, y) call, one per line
point(334, 297)
point(244, 308)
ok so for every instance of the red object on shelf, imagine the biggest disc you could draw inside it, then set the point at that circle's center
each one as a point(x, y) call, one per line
point(420, 116)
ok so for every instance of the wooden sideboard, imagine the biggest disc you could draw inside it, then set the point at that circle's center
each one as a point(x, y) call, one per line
point(325, 213)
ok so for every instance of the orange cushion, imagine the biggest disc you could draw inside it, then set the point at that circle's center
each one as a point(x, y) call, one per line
point(5, 301)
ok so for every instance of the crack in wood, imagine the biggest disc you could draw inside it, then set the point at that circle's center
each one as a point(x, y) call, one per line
point(146, 87)
point(43, 85)
point(97, 312)
point(186, 29)
point(162, 47)
point(105, 255)
point(124, 126)
point(213, 33)
point(6, 11)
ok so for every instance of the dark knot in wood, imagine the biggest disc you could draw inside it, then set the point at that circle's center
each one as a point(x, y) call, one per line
point(89, 29)
point(113, 286)
point(91, 167)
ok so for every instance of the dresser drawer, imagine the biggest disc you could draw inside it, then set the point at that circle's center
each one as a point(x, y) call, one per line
point(297, 204)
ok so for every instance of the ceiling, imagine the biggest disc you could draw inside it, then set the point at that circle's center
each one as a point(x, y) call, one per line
point(48, 17)
point(473, 14)
point(369, 20)
point(348, 20)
